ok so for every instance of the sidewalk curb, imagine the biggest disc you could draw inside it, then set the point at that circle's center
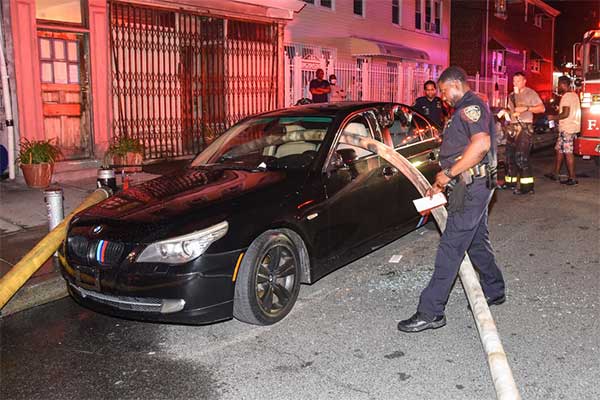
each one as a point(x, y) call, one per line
point(46, 291)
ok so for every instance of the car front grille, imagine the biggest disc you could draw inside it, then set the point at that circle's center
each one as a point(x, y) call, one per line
point(96, 252)
point(78, 245)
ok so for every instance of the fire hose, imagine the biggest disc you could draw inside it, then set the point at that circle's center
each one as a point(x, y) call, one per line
point(504, 383)
point(14, 279)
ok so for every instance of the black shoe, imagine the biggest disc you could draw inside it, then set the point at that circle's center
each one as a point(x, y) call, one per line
point(419, 322)
point(507, 186)
point(570, 182)
point(493, 302)
point(521, 192)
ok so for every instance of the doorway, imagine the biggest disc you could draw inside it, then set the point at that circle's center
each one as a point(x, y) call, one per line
point(65, 81)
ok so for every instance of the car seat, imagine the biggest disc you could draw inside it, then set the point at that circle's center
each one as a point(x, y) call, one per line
point(289, 148)
point(356, 128)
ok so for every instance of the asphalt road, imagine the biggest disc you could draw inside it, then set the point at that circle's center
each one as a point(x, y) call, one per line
point(340, 341)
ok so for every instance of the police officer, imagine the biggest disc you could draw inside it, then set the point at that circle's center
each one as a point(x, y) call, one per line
point(468, 154)
point(522, 102)
point(431, 105)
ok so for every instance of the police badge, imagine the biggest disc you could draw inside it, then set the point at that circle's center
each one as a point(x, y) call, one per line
point(473, 113)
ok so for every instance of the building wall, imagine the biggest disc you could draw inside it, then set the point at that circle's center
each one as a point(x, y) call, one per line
point(515, 29)
point(468, 31)
point(468, 40)
point(10, 65)
point(316, 24)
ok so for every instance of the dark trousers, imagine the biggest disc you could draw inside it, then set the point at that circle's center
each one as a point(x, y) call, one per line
point(466, 231)
point(517, 156)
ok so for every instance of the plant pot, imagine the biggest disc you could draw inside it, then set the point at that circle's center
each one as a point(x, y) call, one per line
point(38, 176)
point(133, 160)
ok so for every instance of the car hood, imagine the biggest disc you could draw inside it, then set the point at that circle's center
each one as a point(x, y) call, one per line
point(189, 192)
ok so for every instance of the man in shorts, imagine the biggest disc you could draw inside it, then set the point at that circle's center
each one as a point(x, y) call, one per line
point(569, 125)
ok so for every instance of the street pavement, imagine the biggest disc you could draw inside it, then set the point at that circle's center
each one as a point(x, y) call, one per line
point(340, 340)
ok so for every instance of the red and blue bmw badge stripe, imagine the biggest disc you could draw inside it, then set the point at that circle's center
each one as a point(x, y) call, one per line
point(101, 250)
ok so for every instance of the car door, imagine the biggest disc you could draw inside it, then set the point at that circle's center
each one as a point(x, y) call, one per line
point(354, 178)
point(418, 141)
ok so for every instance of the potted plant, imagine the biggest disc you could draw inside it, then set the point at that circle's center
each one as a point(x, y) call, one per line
point(36, 158)
point(126, 154)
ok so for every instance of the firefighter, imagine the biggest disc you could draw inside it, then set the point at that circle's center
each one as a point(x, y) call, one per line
point(523, 102)
point(468, 159)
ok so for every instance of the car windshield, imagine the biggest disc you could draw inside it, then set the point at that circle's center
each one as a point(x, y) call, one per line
point(268, 143)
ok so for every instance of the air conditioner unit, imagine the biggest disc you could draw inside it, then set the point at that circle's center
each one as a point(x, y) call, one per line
point(430, 26)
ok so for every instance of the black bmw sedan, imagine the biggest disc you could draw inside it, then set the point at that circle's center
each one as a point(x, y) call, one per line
point(281, 198)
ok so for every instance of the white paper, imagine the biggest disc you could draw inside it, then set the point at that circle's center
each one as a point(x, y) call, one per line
point(396, 258)
point(427, 203)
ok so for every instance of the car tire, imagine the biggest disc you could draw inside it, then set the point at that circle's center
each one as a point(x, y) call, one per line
point(268, 279)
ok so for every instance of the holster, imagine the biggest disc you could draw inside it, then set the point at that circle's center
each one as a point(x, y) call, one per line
point(491, 179)
point(456, 196)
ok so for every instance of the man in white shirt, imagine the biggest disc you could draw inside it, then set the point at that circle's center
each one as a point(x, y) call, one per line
point(569, 125)
point(337, 93)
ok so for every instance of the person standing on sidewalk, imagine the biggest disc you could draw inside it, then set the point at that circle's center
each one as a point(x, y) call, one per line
point(569, 125)
point(468, 158)
point(320, 88)
point(431, 105)
point(523, 102)
point(337, 93)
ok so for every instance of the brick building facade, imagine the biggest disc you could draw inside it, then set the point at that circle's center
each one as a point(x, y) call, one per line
point(501, 37)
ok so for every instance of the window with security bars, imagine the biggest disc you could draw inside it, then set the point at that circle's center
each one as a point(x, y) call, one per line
point(180, 79)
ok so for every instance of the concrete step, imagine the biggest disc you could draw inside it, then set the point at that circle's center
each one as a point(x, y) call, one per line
point(68, 171)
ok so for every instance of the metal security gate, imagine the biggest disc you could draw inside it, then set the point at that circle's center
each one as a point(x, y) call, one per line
point(180, 79)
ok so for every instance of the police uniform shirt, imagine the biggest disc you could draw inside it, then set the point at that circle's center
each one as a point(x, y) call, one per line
point(472, 116)
point(431, 109)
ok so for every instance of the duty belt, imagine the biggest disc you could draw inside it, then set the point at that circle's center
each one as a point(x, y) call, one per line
point(480, 170)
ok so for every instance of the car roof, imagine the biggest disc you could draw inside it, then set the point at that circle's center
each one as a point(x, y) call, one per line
point(325, 109)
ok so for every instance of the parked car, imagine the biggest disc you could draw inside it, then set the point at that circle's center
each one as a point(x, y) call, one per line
point(280, 199)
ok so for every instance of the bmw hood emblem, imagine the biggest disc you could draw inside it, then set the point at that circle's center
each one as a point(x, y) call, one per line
point(97, 229)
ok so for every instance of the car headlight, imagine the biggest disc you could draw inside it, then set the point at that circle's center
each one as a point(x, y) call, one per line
point(181, 249)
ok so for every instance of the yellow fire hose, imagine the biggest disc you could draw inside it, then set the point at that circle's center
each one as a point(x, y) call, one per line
point(36, 257)
point(504, 383)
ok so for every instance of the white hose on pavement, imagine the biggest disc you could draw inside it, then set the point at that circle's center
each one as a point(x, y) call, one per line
point(504, 383)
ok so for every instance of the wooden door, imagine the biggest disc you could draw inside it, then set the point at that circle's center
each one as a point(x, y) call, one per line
point(65, 83)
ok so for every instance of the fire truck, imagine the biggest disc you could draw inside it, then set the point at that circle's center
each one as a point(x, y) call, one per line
point(588, 144)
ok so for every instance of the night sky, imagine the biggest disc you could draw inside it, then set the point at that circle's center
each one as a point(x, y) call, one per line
point(576, 17)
